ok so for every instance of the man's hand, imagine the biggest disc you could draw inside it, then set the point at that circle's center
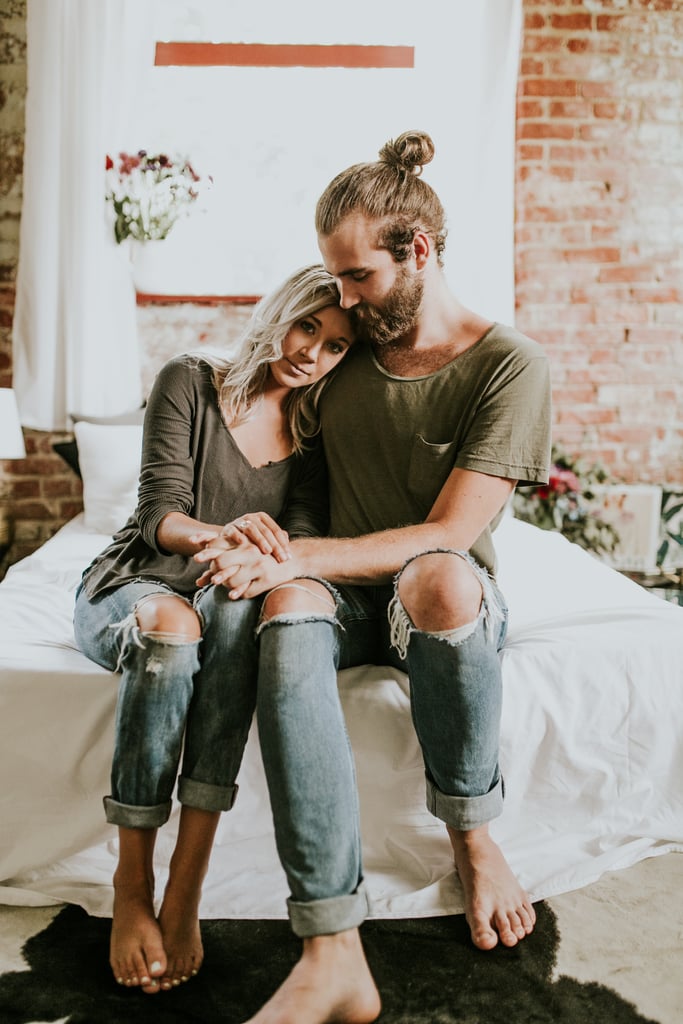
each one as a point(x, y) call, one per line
point(258, 527)
point(241, 566)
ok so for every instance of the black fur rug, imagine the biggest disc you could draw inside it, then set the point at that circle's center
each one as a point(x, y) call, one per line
point(427, 971)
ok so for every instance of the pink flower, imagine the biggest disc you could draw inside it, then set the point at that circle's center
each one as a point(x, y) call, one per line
point(563, 480)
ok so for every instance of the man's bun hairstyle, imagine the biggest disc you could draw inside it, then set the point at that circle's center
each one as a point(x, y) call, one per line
point(391, 192)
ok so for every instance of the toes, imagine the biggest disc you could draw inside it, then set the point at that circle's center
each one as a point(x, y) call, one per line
point(509, 929)
point(483, 935)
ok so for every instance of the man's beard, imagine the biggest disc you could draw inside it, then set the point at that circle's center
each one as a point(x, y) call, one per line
point(396, 316)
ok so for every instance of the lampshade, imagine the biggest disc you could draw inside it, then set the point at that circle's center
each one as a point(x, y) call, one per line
point(11, 437)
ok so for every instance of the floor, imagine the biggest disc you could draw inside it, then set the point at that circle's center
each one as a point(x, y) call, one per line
point(625, 931)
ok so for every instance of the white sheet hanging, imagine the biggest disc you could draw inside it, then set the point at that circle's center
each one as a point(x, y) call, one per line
point(75, 335)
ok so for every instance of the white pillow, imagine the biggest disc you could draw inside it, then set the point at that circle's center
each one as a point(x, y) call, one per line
point(109, 458)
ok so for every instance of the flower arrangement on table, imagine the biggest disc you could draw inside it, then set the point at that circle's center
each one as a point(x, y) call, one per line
point(148, 193)
point(565, 504)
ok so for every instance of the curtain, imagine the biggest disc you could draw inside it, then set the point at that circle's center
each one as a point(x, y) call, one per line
point(74, 332)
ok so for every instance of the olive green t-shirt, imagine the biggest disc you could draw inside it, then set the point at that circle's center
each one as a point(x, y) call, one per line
point(391, 442)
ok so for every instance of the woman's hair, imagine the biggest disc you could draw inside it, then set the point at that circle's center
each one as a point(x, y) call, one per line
point(391, 191)
point(240, 383)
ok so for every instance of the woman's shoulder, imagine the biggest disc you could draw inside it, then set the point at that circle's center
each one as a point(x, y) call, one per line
point(187, 371)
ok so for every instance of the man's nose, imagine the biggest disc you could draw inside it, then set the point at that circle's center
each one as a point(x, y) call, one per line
point(348, 295)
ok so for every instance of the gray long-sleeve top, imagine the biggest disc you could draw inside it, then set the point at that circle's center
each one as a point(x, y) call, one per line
point(191, 464)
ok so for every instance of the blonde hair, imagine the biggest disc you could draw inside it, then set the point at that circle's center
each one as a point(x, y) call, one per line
point(390, 191)
point(240, 383)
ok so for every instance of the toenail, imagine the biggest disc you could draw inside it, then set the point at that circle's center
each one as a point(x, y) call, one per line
point(175, 981)
point(145, 980)
point(184, 977)
point(194, 971)
point(156, 966)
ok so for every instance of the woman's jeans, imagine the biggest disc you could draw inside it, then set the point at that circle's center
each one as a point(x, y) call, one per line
point(287, 665)
point(171, 688)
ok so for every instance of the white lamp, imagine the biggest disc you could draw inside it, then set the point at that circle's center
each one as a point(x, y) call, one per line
point(11, 447)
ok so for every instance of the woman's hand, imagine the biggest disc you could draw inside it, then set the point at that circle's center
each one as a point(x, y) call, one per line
point(243, 568)
point(257, 527)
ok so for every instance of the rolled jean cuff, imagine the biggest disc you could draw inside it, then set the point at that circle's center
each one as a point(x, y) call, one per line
point(329, 916)
point(204, 796)
point(130, 816)
point(464, 813)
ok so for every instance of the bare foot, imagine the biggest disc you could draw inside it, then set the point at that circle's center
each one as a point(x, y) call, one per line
point(496, 906)
point(179, 923)
point(137, 954)
point(330, 983)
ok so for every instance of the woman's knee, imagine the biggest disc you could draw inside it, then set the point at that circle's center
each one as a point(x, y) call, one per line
point(440, 590)
point(169, 615)
point(298, 597)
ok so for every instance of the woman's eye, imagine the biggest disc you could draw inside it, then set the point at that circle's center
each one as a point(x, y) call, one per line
point(308, 326)
point(336, 348)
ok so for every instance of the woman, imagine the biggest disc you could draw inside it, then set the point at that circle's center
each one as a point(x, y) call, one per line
point(220, 439)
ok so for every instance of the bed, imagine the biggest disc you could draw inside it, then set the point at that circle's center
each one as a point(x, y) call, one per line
point(591, 743)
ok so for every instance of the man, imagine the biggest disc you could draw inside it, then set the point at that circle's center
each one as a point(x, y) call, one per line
point(427, 429)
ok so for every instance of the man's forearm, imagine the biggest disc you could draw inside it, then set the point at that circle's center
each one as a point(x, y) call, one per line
point(374, 558)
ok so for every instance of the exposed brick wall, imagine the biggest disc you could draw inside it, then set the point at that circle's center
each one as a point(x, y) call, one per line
point(599, 242)
point(599, 224)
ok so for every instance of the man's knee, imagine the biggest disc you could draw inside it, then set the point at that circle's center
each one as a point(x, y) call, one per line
point(440, 590)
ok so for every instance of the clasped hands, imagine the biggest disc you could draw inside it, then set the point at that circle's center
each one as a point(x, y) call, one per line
point(248, 556)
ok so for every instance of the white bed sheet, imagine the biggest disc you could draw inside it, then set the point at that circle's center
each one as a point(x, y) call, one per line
point(591, 745)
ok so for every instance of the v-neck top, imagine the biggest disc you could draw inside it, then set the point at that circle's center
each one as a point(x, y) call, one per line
point(192, 464)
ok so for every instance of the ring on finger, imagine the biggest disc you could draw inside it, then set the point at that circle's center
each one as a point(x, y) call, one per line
point(242, 524)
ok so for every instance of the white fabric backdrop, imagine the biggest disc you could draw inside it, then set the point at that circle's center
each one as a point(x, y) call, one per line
point(75, 340)
point(272, 138)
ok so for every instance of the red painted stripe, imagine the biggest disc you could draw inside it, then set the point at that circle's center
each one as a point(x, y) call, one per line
point(151, 299)
point(277, 55)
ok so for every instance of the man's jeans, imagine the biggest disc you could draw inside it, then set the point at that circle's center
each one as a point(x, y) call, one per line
point(290, 672)
point(456, 697)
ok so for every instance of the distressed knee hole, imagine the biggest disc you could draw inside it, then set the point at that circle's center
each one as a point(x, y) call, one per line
point(478, 589)
point(169, 618)
point(297, 599)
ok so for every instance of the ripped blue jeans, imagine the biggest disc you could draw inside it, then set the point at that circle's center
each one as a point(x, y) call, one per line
point(286, 666)
point(202, 691)
point(456, 697)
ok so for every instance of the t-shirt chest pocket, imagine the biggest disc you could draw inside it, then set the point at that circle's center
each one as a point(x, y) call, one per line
point(428, 468)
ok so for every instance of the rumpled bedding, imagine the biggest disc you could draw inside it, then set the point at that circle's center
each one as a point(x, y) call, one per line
point(591, 746)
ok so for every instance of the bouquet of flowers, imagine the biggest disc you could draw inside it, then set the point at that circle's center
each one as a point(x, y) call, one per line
point(564, 504)
point(148, 193)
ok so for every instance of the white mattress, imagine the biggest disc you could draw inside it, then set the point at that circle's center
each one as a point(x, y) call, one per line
point(591, 745)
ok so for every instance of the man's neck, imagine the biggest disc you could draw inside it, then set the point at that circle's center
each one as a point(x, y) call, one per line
point(442, 333)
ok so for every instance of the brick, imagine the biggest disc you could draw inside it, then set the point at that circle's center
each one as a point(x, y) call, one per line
point(531, 66)
point(594, 44)
point(570, 108)
point(533, 43)
point(594, 254)
point(572, 22)
point(655, 294)
point(527, 151)
point(599, 90)
point(549, 87)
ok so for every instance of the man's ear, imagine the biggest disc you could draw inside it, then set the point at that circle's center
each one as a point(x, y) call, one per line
point(422, 247)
